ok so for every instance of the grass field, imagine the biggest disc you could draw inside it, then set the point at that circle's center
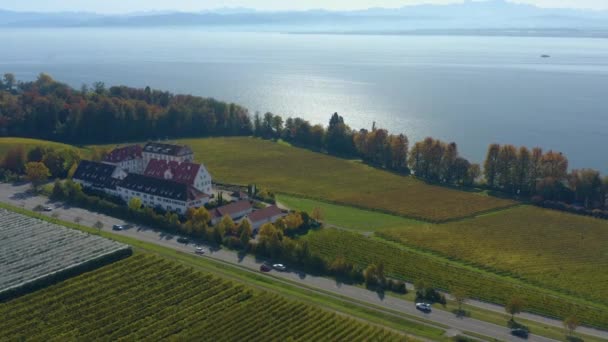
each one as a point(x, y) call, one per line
point(151, 298)
point(407, 264)
point(553, 249)
point(347, 217)
point(28, 144)
point(298, 171)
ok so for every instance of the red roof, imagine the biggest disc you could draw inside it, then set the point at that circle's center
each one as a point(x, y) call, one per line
point(121, 154)
point(231, 209)
point(182, 172)
point(265, 214)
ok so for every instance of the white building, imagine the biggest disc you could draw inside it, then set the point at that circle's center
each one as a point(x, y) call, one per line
point(267, 215)
point(98, 176)
point(161, 193)
point(191, 174)
point(129, 158)
point(166, 152)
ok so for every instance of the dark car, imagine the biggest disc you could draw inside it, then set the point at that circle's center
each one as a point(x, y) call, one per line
point(424, 307)
point(523, 333)
point(117, 227)
point(265, 268)
point(183, 240)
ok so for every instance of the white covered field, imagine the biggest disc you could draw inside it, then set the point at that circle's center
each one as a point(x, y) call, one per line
point(31, 249)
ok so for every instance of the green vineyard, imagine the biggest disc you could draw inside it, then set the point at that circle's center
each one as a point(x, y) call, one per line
point(149, 298)
point(410, 266)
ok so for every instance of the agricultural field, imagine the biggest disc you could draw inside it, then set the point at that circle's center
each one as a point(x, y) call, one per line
point(149, 298)
point(411, 265)
point(347, 217)
point(32, 250)
point(556, 250)
point(28, 144)
point(297, 171)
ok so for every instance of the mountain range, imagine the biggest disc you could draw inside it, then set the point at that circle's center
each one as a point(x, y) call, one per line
point(470, 16)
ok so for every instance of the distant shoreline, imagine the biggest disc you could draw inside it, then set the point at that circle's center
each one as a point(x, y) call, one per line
point(539, 33)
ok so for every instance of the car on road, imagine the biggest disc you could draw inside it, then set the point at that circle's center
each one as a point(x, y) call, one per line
point(279, 267)
point(265, 268)
point(118, 227)
point(424, 307)
point(47, 208)
point(199, 250)
point(183, 240)
point(519, 332)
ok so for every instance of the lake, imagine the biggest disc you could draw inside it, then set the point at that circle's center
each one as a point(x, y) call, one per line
point(471, 90)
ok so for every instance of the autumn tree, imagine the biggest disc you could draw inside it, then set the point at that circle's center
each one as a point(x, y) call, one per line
point(9, 81)
point(514, 306)
point(473, 173)
point(227, 225)
point(490, 167)
point(293, 221)
point(522, 171)
point(14, 159)
point(98, 225)
point(37, 173)
point(135, 204)
point(554, 165)
point(587, 187)
point(245, 232)
point(460, 296)
point(570, 324)
point(318, 214)
point(505, 167)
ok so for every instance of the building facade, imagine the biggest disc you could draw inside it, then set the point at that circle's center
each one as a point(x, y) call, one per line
point(195, 175)
point(129, 158)
point(98, 176)
point(161, 193)
point(166, 152)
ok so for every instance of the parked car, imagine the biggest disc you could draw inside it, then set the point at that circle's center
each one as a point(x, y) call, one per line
point(279, 267)
point(199, 250)
point(117, 227)
point(183, 240)
point(519, 332)
point(424, 307)
point(265, 268)
point(47, 208)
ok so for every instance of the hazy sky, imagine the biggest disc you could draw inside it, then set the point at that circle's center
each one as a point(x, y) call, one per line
point(121, 6)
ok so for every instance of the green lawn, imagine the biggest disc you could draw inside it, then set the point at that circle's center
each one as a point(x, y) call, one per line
point(28, 144)
point(347, 217)
point(297, 171)
point(561, 251)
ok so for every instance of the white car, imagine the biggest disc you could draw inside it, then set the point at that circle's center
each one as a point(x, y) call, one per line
point(199, 250)
point(423, 307)
point(279, 267)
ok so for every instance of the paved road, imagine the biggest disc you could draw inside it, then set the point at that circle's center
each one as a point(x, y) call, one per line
point(16, 195)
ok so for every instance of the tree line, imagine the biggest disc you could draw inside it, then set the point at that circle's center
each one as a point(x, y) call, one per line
point(52, 110)
point(543, 176)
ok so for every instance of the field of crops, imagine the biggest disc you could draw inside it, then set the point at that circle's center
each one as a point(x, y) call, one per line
point(298, 171)
point(28, 144)
point(148, 298)
point(347, 217)
point(32, 249)
point(554, 249)
point(410, 265)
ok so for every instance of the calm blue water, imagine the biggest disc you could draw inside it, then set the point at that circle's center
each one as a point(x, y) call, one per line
point(472, 90)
